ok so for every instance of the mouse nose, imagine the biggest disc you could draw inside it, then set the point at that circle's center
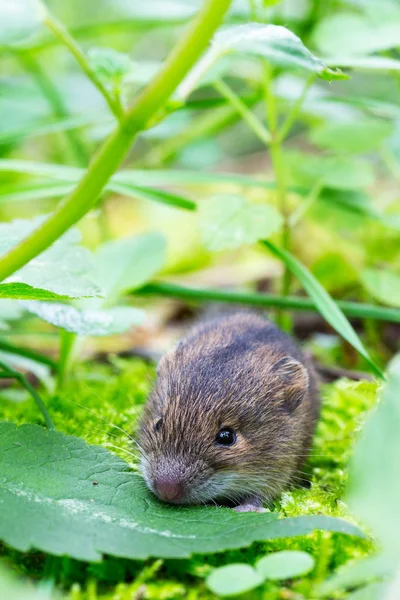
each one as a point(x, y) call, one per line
point(170, 490)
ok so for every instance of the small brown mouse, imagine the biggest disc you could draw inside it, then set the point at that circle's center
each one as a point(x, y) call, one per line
point(231, 417)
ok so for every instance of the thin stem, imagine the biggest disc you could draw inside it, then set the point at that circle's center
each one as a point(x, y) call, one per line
point(278, 166)
point(60, 32)
point(306, 204)
point(27, 353)
point(351, 309)
point(56, 103)
point(10, 372)
point(248, 116)
point(295, 110)
point(67, 343)
point(150, 102)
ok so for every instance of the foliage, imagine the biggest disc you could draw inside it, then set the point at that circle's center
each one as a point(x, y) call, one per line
point(270, 121)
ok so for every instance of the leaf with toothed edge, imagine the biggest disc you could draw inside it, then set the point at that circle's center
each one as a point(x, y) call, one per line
point(61, 496)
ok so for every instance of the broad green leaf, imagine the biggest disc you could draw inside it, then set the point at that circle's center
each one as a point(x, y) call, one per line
point(357, 573)
point(53, 505)
point(19, 19)
point(325, 304)
point(383, 286)
point(275, 43)
point(128, 263)
point(354, 136)
point(109, 64)
point(233, 579)
point(229, 221)
point(22, 291)
point(284, 565)
point(374, 493)
point(336, 172)
point(95, 322)
point(352, 34)
point(62, 269)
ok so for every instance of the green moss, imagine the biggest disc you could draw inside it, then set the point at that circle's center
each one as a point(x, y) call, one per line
point(101, 403)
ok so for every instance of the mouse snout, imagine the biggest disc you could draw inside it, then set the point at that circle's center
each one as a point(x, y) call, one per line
point(169, 489)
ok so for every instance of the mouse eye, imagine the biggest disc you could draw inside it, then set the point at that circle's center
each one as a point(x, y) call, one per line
point(158, 424)
point(226, 437)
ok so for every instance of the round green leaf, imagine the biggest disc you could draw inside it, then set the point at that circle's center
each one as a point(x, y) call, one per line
point(233, 579)
point(19, 19)
point(96, 322)
point(355, 136)
point(228, 221)
point(285, 565)
point(382, 285)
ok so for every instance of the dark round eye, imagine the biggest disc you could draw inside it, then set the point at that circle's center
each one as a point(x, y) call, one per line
point(226, 437)
point(157, 425)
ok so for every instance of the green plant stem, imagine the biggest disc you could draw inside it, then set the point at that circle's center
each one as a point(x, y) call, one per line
point(295, 110)
point(280, 177)
point(150, 101)
point(56, 103)
point(67, 344)
point(351, 309)
point(248, 116)
point(60, 32)
point(306, 204)
point(12, 374)
point(203, 126)
point(27, 353)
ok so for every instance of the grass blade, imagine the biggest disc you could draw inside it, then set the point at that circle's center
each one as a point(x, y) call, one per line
point(324, 303)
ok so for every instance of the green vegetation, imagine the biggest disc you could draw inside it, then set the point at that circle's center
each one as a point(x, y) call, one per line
point(156, 158)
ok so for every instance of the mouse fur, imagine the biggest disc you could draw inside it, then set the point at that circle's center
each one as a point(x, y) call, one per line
point(240, 374)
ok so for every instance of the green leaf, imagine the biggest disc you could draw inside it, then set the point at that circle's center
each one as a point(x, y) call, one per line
point(355, 574)
point(19, 20)
point(128, 263)
point(95, 322)
point(23, 192)
point(354, 136)
point(229, 221)
point(233, 579)
point(272, 42)
point(383, 286)
point(13, 589)
point(53, 505)
point(336, 172)
point(373, 591)
point(325, 304)
point(284, 565)
point(108, 64)
point(62, 269)
point(352, 34)
point(374, 482)
point(366, 63)
point(353, 201)
point(22, 291)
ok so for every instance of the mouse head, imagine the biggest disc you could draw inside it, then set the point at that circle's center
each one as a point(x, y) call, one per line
point(214, 432)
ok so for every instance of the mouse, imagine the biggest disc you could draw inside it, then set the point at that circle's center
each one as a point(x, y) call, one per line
point(231, 417)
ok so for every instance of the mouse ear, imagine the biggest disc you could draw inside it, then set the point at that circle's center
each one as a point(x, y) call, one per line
point(295, 379)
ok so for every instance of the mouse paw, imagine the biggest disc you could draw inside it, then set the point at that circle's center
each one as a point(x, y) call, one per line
point(250, 506)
